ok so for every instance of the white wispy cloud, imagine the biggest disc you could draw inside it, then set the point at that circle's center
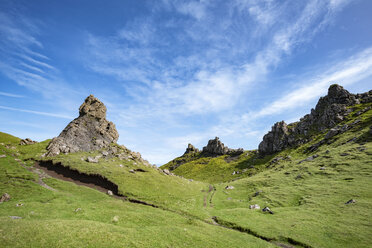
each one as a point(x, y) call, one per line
point(10, 94)
point(37, 112)
point(24, 62)
point(349, 71)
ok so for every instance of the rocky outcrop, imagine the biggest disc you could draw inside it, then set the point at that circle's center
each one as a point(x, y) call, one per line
point(216, 147)
point(27, 141)
point(329, 111)
point(191, 149)
point(90, 131)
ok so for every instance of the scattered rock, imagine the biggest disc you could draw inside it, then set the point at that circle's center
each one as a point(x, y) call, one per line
point(191, 180)
point(229, 198)
point(255, 206)
point(5, 197)
point(109, 192)
point(257, 193)
point(344, 154)
point(2, 156)
point(229, 187)
point(299, 177)
point(90, 131)
point(115, 219)
point(105, 153)
point(350, 201)
point(332, 132)
point(267, 209)
point(351, 140)
point(166, 172)
point(120, 165)
point(27, 141)
point(216, 147)
point(92, 160)
point(19, 204)
point(311, 158)
point(77, 210)
point(322, 168)
point(132, 171)
point(15, 217)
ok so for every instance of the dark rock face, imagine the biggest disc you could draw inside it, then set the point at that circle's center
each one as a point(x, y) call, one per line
point(191, 149)
point(216, 147)
point(90, 131)
point(277, 139)
point(329, 111)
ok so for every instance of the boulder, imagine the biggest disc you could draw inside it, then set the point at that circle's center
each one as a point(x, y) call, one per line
point(92, 160)
point(27, 141)
point(15, 217)
point(332, 132)
point(255, 206)
point(229, 187)
point(5, 197)
point(267, 210)
point(90, 131)
point(350, 201)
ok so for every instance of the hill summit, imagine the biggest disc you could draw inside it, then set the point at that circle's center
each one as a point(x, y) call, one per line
point(90, 131)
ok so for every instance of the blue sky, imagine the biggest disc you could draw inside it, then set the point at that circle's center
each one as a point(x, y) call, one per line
point(178, 72)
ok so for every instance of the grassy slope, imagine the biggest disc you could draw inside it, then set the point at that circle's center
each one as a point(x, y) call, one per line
point(220, 168)
point(49, 218)
point(309, 203)
point(151, 186)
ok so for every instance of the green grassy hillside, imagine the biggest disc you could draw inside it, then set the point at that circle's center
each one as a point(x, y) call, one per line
point(68, 215)
point(306, 188)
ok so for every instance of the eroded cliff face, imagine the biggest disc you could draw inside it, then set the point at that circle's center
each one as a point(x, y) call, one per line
point(90, 131)
point(329, 111)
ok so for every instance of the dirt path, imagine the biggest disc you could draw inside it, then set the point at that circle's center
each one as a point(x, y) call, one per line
point(205, 199)
point(211, 199)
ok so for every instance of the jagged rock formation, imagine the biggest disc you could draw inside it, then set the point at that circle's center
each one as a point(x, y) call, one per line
point(90, 131)
point(216, 147)
point(27, 141)
point(329, 111)
point(191, 149)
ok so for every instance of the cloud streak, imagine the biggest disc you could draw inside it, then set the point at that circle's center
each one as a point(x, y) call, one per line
point(349, 71)
point(10, 95)
point(37, 112)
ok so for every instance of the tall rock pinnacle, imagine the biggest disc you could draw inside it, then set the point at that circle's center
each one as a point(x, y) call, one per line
point(90, 131)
